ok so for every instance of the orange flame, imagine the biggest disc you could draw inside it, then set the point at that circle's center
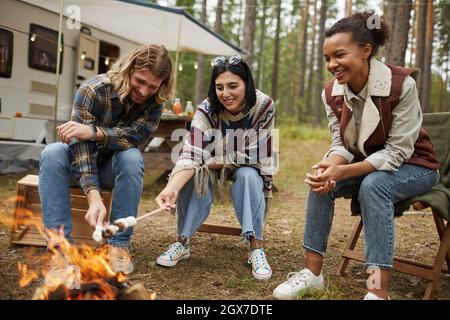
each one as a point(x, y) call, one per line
point(73, 269)
point(26, 275)
point(24, 218)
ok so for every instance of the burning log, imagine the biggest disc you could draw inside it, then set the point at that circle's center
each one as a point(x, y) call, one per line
point(137, 292)
point(105, 289)
point(81, 274)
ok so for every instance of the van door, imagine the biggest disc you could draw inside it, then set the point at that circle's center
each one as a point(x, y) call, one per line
point(88, 52)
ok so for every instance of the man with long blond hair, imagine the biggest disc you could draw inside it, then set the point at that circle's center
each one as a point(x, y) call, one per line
point(113, 117)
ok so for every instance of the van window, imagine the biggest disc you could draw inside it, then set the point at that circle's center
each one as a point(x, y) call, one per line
point(6, 47)
point(109, 53)
point(43, 44)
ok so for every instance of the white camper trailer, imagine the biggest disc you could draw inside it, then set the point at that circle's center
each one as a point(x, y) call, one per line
point(106, 30)
point(28, 45)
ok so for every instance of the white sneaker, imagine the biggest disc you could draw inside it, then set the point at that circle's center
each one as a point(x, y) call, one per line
point(176, 252)
point(260, 267)
point(372, 296)
point(120, 260)
point(296, 283)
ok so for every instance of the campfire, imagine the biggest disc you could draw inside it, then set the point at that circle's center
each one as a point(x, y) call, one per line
point(76, 273)
point(81, 274)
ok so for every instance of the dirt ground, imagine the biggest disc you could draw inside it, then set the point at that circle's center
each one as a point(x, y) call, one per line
point(218, 266)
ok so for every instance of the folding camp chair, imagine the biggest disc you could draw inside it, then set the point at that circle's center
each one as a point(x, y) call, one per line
point(438, 127)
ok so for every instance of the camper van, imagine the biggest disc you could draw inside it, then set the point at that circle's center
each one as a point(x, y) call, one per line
point(28, 62)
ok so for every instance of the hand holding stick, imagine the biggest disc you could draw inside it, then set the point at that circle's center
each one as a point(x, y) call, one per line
point(119, 225)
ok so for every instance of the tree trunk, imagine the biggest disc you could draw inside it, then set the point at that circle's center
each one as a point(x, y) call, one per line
point(312, 55)
point(412, 36)
point(428, 55)
point(348, 7)
point(218, 24)
point(447, 83)
point(291, 57)
point(259, 73)
point(240, 21)
point(319, 81)
point(276, 56)
point(440, 91)
point(200, 75)
point(389, 17)
point(249, 31)
point(400, 31)
point(303, 39)
point(421, 11)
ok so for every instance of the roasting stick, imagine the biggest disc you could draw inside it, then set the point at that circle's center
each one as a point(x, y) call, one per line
point(120, 225)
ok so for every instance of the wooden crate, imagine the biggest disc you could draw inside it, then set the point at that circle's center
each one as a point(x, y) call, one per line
point(27, 215)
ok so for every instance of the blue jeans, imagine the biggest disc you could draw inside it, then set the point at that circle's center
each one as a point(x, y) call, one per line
point(248, 200)
point(124, 172)
point(378, 192)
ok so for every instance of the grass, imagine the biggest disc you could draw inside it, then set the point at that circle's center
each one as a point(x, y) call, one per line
point(217, 268)
point(329, 292)
point(303, 132)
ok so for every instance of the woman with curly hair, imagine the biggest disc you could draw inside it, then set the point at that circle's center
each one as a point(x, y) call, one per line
point(379, 152)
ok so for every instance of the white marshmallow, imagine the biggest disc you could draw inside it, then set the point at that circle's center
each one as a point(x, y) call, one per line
point(112, 229)
point(97, 235)
point(126, 222)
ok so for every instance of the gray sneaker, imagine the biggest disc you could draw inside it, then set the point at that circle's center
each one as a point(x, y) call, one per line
point(119, 260)
point(176, 252)
point(260, 267)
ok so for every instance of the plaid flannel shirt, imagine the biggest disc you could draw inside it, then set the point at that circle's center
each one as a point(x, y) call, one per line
point(124, 124)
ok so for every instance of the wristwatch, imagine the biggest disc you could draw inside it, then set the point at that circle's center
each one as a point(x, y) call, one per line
point(94, 132)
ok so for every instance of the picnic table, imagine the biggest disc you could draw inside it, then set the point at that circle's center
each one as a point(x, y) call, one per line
point(159, 158)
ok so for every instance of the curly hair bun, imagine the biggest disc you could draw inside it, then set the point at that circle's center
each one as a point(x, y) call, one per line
point(365, 27)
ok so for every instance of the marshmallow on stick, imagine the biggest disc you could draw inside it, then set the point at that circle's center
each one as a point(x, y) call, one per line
point(119, 225)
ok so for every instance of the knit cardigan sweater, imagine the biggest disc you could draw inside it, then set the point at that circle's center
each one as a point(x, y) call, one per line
point(211, 140)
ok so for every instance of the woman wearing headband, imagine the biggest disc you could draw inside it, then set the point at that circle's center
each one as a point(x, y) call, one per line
point(230, 136)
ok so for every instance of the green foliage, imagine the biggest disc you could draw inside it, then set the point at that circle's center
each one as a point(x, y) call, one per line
point(233, 18)
point(289, 104)
point(443, 27)
point(186, 78)
point(187, 5)
point(440, 97)
point(360, 5)
point(294, 131)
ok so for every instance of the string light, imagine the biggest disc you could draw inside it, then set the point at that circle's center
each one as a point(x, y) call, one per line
point(196, 65)
point(180, 67)
point(33, 37)
point(83, 55)
point(106, 61)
